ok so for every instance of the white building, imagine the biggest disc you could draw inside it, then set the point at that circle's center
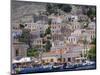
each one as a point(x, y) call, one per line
point(19, 50)
point(73, 39)
point(92, 25)
point(71, 55)
point(89, 34)
point(57, 45)
point(27, 19)
point(37, 41)
point(77, 32)
point(56, 28)
point(75, 25)
point(38, 27)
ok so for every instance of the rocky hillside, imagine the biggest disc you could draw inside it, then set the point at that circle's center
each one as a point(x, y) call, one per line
point(24, 8)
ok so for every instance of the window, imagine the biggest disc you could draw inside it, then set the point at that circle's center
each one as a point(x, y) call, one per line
point(71, 39)
point(91, 37)
point(69, 59)
point(59, 26)
point(17, 52)
point(43, 61)
point(59, 59)
point(52, 60)
point(64, 60)
point(74, 39)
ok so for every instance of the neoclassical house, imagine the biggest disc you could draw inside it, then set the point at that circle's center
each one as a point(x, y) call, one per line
point(19, 50)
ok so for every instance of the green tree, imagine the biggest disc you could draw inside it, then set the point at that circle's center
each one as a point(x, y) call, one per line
point(92, 54)
point(91, 12)
point(32, 52)
point(94, 41)
point(42, 35)
point(49, 8)
point(49, 37)
point(60, 5)
point(66, 8)
point(26, 37)
point(48, 31)
point(48, 46)
point(21, 26)
point(49, 21)
point(53, 8)
point(92, 51)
